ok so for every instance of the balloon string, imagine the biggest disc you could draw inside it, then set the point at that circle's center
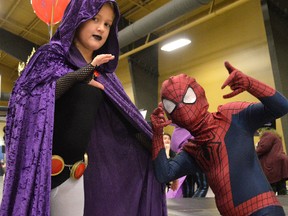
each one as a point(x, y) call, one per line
point(50, 31)
point(52, 19)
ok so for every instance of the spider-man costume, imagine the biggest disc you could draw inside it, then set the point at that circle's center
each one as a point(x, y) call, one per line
point(223, 141)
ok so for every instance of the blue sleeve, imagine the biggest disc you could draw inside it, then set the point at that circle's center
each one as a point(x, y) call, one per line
point(167, 170)
point(270, 109)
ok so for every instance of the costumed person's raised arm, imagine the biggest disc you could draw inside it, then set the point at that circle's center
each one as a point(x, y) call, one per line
point(165, 169)
point(274, 102)
point(84, 74)
point(67, 81)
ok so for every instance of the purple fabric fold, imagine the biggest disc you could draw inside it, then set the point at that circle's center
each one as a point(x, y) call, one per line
point(178, 192)
point(179, 137)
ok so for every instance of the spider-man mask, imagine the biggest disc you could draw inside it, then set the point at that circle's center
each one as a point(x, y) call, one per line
point(184, 101)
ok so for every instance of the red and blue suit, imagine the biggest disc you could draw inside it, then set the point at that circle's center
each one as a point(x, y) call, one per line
point(223, 145)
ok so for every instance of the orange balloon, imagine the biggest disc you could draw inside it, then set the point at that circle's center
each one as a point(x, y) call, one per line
point(49, 11)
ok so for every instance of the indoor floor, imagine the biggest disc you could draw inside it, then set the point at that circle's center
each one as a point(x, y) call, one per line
point(192, 207)
point(203, 206)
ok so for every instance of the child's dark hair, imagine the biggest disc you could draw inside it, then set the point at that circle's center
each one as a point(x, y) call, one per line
point(167, 135)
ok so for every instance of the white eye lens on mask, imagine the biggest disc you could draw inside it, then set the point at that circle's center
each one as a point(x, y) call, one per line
point(190, 96)
point(169, 106)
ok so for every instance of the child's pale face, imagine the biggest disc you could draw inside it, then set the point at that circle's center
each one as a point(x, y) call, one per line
point(93, 34)
point(167, 141)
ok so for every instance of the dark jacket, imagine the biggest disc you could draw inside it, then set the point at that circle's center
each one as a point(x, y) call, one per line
point(272, 157)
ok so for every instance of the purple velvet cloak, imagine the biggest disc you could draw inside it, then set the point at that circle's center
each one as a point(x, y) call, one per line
point(119, 179)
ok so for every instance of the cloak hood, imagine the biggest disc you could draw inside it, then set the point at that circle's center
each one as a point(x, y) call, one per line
point(78, 12)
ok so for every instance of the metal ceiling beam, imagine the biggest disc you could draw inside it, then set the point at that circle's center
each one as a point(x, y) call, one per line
point(157, 19)
point(20, 48)
point(183, 28)
point(15, 46)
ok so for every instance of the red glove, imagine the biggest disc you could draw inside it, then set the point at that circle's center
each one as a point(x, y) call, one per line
point(158, 123)
point(240, 82)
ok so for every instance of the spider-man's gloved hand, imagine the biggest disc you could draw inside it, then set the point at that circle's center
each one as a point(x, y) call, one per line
point(158, 123)
point(240, 82)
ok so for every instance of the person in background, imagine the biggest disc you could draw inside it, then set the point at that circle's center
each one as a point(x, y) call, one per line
point(173, 185)
point(167, 144)
point(201, 182)
point(2, 171)
point(273, 159)
point(68, 116)
point(223, 144)
point(192, 185)
point(3, 163)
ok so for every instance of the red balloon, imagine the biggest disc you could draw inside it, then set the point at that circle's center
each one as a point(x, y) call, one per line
point(49, 11)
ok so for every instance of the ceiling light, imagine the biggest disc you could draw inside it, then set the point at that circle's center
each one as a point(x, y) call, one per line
point(175, 44)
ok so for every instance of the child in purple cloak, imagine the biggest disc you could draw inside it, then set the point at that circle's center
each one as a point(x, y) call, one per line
point(67, 102)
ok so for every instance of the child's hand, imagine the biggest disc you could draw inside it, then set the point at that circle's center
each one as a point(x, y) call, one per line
point(101, 59)
point(96, 84)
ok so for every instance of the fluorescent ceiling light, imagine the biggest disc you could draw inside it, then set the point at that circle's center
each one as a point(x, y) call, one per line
point(175, 44)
